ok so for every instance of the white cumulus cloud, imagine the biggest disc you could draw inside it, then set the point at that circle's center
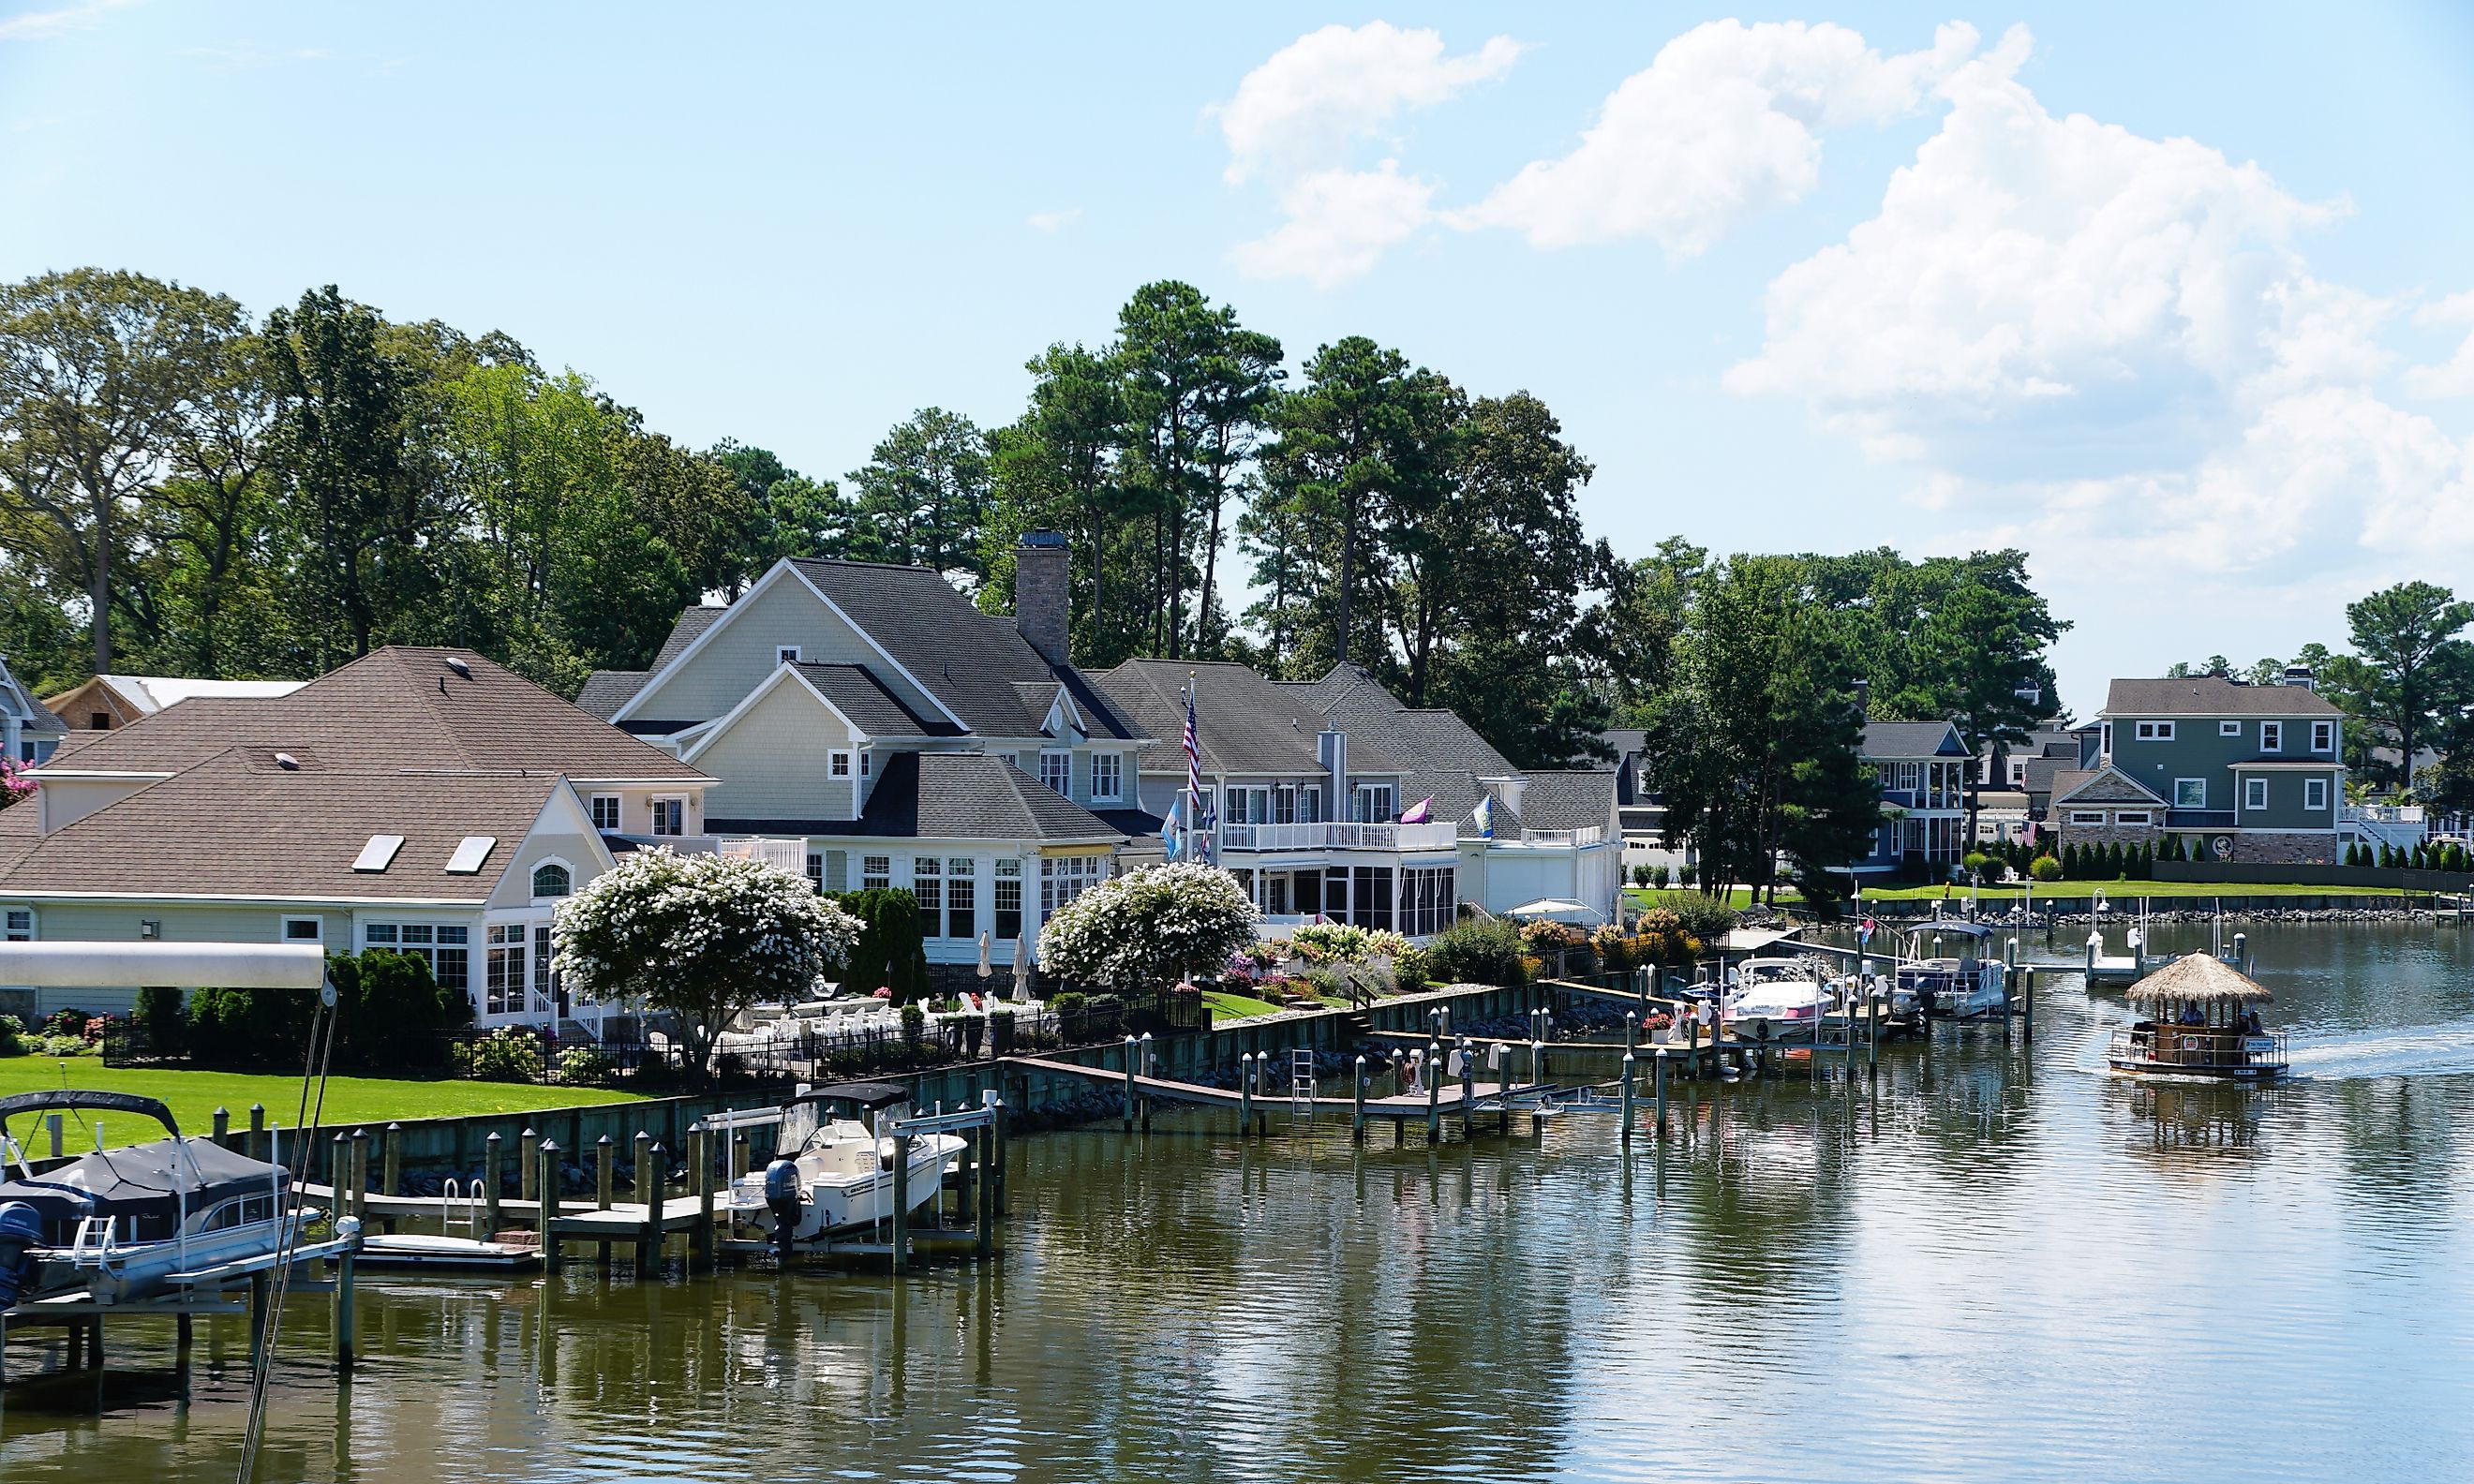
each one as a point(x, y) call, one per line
point(1725, 123)
point(1053, 221)
point(2111, 350)
point(2454, 376)
point(1298, 112)
point(1339, 224)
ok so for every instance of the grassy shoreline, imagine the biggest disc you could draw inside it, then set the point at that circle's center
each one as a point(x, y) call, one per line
point(194, 1096)
point(2053, 891)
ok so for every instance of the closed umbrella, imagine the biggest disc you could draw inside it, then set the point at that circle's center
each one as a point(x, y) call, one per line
point(1022, 968)
point(984, 969)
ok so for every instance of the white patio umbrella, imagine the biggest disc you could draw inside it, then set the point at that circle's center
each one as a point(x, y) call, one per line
point(984, 969)
point(1022, 968)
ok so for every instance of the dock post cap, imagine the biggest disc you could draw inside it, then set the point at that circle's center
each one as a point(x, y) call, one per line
point(603, 1140)
point(492, 1139)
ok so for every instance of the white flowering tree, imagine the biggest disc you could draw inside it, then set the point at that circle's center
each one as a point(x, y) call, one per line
point(702, 937)
point(1149, 929)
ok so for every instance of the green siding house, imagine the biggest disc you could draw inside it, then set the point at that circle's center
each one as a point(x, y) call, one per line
point(2249, 773)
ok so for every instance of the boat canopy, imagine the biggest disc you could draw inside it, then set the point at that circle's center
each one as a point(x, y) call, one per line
point(16, 1103)
point(1949, 928)
point(145, 1185)
point(867, 1095)
point(2198, 979)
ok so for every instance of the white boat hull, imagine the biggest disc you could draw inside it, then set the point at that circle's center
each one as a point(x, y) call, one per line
point(833, 1207)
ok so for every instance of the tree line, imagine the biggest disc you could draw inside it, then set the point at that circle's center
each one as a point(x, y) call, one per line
point(186, 489)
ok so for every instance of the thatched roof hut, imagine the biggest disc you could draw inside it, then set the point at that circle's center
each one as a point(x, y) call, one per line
point(2199, 979)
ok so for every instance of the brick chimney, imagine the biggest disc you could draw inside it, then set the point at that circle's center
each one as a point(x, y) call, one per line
point(1042, 603)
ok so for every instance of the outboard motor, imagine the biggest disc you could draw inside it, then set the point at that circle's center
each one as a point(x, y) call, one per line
point(21, 1230)
point(782, 1199)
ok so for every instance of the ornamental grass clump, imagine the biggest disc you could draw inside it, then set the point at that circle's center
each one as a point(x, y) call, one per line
point(702, 937)
point(1149, 929)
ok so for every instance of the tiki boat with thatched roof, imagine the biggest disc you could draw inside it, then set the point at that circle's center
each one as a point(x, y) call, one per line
point(2200, 1024)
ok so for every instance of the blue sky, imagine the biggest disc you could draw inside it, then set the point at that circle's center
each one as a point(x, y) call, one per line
point(2180, 302)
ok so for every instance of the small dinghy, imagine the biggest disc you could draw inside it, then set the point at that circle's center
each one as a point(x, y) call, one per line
point(451, 1254)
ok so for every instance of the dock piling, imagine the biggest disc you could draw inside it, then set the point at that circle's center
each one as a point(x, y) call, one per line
point(1244, 1094)
point(393, 1158)
point(55, 1123)
point(361, 1173)
point(257, 1130)
point(1150, 1066)
point(527, 1144)
point(1434, 1098)
point(902, 1202)
point(1357, 1104)
point(346, 1308)
point(546, 1181)
point(1659, 1071)
point(603, 1152)
point(700, 1174)
point(1129, 1085)
point(652, 1187)
point(223, 1127)
point(1629, 1062)
point(490, 1184)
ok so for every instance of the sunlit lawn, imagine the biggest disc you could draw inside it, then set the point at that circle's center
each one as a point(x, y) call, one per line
point(194, 1097)
point(1225, 1007)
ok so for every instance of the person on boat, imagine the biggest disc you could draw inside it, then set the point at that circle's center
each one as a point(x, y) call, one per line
point(2190, 1016)
point(2250, 1022)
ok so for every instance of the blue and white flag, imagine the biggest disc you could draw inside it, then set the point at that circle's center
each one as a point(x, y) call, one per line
point(1485, 817)
point(1169, 832)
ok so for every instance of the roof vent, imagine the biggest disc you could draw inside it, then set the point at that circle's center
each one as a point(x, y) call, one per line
point(470, 854)
point(457, 663)
point(287, 763)
point(380, 853)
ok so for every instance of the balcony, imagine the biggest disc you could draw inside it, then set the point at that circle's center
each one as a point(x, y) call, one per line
point(1334, 836)
point(1562, 839)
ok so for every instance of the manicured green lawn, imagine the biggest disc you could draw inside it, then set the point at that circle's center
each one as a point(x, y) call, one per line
point(1232, 1007)
point(194, 1097)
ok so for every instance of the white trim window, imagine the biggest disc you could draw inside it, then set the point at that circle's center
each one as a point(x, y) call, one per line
point(17, 924)
point(671, 816)
point(875, 873)
point(2271, 736)
point(445, 946)
point(786, 654)
point(2134, 819)
point(1007, 899)
point(2254, 793)
point(1310, 804)
point(605, 813)
point(506, 981)
point(837, 763)
point(303, 930)
point(2018, 775)
point(961, 898)
point(866, 762)
point(2155, 732)
point(2087, 815)
point(2104, 738)
point(551, 880)
point(2323, 736)
point(1107, 776)
point(1375, 804)
point(2190, 793)
point(2228, 728)
point(817, 870)
point(928, 885)
point(1064, 877)
point(1056, 773)
point(2314, 793)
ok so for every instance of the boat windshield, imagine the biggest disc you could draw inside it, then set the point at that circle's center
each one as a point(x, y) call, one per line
point(1772, 971)
point(798, 1124)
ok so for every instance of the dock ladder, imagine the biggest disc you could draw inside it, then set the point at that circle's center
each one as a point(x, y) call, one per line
point(1301, 1079)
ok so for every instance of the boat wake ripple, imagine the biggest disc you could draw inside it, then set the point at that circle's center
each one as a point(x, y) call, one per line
point(2402, 1051)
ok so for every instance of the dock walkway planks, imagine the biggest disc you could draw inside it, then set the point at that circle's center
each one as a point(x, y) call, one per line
point(1484, 1096)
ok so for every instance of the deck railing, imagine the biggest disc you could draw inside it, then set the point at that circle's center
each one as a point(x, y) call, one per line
point(2199, 1049)
point(1340, 835)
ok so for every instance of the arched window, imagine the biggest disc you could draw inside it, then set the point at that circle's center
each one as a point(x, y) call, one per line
point(552, 880)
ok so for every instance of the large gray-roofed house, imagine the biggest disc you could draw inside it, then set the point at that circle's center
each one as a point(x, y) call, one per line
point(1244, 724)
point(906, 737)
point(419, 800)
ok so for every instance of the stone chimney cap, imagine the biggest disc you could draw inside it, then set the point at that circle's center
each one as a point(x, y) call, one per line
point(1042, 538)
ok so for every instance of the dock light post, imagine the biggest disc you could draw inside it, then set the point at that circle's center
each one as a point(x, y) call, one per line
point(1245, 1093)
point(489, 1180)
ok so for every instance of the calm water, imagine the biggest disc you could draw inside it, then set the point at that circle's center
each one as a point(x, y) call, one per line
point(1998, 1265)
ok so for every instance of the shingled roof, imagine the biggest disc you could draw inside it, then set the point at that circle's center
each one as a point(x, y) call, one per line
point(1911, 740)
point(857, 694)
point(972, 662)
point(972, 796)
point(1243, 724)
point(2209, 695)
point(1568, 799)
point(393, 708)
point(237, 824)
point(1439, 755)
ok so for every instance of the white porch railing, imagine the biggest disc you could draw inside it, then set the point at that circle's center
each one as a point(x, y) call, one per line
point(1335, 835)
point(1587, 834)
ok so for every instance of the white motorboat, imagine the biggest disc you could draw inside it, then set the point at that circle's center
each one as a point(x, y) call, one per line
point(1946, 969)
point(837, 1137)
point(126, 1223)
point(1776, 999)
